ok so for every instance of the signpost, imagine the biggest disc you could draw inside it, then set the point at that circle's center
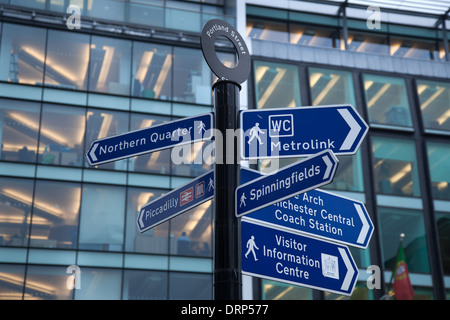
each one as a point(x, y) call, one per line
point(295, 259)
point(318, 213)
point(176, 202)
point(302, 131)
point(296, 178)
point(166, 135)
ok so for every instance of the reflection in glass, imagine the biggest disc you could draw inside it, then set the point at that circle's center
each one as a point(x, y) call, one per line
point(67, 60)
point(434, 100)
point(412, 48)
point(331, 87)
point(99, 284)
point(157, 162)
point(22, 54)
point(192, 82)
point(277, 85)
point(102, 218)
point(269, 31)
point(191, 232)
point(443, 225)
point(110, 65)
point(314, 36)
point(439, 162)
point(387, 101)
point(273, 290)
point(152, 71)
point(55, 215)
point(46, 283)
point(12, 280)
point(16, 197)
point(392, 222)
point(365, 42)
point(154, 240)
point(145, 285)
point(395, 166)
point(102, 124)
point(196, 286)
point(192, 159)
point(62, 135)
point(19, 127)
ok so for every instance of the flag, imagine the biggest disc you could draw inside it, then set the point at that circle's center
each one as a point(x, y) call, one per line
point(402, 285)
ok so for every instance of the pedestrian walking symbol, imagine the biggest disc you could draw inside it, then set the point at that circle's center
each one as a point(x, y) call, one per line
point(254, 133)
point(243, 198)
point(251, 246)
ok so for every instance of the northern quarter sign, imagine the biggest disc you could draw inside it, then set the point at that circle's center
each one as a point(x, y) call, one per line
point(296, 259)
point(176, 202)
point(296, 178)
point(318, 213)
point(302, 131)
point(166, 135)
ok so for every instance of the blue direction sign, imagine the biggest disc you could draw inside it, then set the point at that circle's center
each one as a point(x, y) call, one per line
point(166, 135)
point(296, 259)
point(302, 131)
point(296, 178)
point(318, 213)
point(176, 202)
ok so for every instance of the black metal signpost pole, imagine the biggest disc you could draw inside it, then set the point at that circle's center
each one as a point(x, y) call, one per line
point(227, 274)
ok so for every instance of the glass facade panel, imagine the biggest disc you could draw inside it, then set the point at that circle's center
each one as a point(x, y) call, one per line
point(16, 196)
point(387, 101)
point(67, 61)
point(99, 284)
point(434, 100)
point(46, 283)
point(367, 42)
point(265, 30)
point(196, 286)
point(273, 290)
point(395, 167)
point(439, 162)
point(314, 36)
point(145, 285)
point(19, 121)
point(191, 232)
point(192, 80)
point(152, 71)
point(443, 225)
point(155, 240)
point(277, 85)
point(22, 54)
point(102, 218)
point(11, 281)
point(56, 208)
point(413, 48)
point(393, 222)
point(110, 65)
point(61, 139)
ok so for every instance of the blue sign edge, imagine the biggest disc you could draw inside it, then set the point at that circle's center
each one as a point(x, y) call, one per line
point(330, 178)
point(284, 228)
point(346, 248)
point(178, 189)
point(211, 114)
point(356, 148)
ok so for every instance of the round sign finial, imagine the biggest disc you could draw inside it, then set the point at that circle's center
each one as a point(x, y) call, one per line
point(213, 29)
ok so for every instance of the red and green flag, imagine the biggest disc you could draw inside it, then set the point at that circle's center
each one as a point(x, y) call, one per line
point(402, 285)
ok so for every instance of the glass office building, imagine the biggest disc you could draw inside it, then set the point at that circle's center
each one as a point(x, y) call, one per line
point(136, 63)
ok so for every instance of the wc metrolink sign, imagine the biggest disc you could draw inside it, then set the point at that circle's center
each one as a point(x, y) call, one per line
point(318, 213)
point(301, 131)
point(296, 259)
point(166, 135)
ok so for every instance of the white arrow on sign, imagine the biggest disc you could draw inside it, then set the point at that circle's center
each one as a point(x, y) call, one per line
point(349, 275)
point(355, 128)
point(92, 152)
point(365, 228)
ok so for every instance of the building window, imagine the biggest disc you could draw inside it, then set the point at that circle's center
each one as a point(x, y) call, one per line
point(274, 290)
point(367, 42)
point(395, 167)
point(277, 85)
point(434, 100)
point(16, 198)
point(155, 240)
point(439, 162)
point(393, 222)
point(413, 48)
point(12, 280)
point(110, 66)
point(196, 286)
point(61, 139)
point(266, 30)
point(387, 101)
point(22, 54)
point(314, 36)
point(47, 283)
point(99, 284)
point(145, 285)
point(152, 71)
point(102, 218)
point(443, 225)
point(67, 60)
point(54, 223)
point(19, 122)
